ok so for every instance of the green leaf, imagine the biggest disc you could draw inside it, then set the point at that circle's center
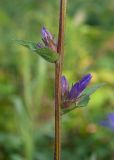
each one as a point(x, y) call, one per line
point(46, 53)
point(85, 97)
point(28, 44)
point(67, 110)
point(84, 100)
point(91, 90)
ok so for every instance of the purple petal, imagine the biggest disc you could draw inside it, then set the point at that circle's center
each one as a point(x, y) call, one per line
point(46, 34)
point(111, 117)
point(104, 123)
point(78, 87)
point(74, 92)
point(64, 85)
point(84, 82)
point(48, 39)
point(109, 122)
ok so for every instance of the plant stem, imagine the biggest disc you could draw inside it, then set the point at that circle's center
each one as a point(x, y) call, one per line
point(58, 73)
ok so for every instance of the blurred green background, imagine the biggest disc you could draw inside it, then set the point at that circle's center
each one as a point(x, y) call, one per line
point(27, 81)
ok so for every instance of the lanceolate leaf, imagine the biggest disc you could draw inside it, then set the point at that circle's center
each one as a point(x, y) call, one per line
point(28, 44)
point(85, 97)
point(45, 52)
point(91, 90)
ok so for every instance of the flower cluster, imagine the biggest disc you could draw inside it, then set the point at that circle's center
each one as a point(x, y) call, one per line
point(109, 122)
point(48, 40)
point(73, 95)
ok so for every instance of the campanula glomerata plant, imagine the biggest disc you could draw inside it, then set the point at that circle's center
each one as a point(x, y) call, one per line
point(66, 98)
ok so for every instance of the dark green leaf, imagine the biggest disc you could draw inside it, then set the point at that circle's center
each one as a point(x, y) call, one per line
point(46, 53)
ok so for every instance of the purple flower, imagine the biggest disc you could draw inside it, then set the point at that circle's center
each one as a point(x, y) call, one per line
point(109, 121)
point(64, 86)
point(73, 95)
point(48, 40)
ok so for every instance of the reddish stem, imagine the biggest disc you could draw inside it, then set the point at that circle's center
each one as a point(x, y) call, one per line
point(58, 73)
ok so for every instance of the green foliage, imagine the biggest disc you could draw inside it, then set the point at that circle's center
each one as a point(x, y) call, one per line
point(46, 53)
point(24, 124)
point(89, 47)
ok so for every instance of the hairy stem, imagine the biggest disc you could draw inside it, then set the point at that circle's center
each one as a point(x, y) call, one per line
point(58, 72)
